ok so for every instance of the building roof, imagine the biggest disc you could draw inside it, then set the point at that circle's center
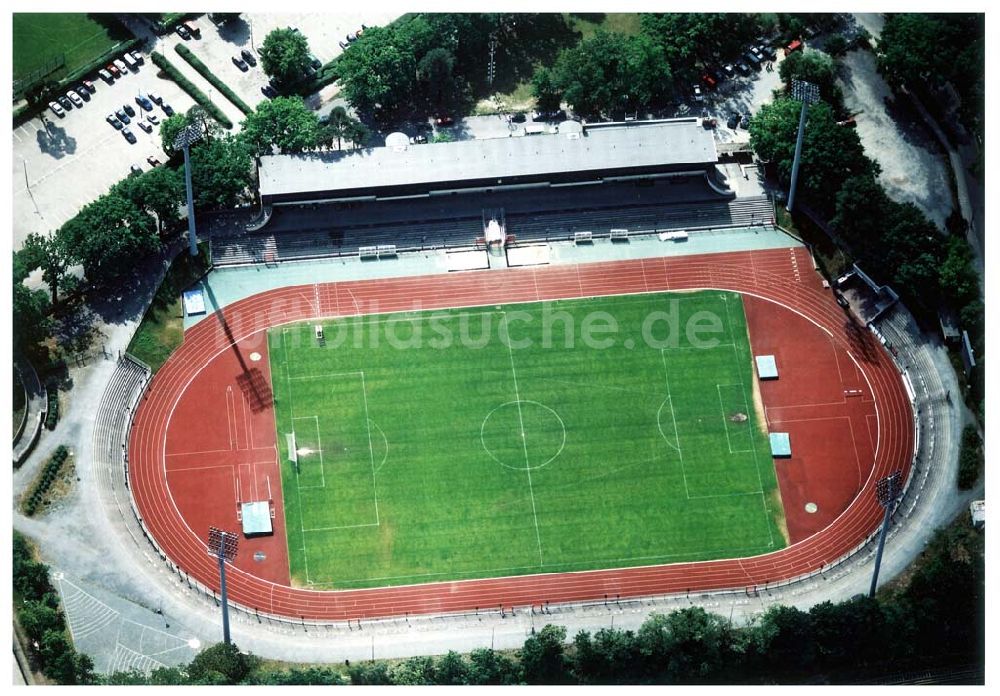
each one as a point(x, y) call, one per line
point(601, 147)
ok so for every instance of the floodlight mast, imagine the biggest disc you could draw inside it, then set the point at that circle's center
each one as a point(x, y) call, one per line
point(223, 545)
point(183, 141)
point(887, 490)
point(807, 93)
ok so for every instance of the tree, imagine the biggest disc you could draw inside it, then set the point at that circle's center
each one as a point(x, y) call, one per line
point(814, 67)
point(452, 670)
point(159, 191)
point(488, 667)
point(30, 324)
point(692, 37)
point(613, 73)
point(909, 49)
point(605, 657)
point(222, 663)
point(416, 671)
point(221, 172)
point(44, 252)
point(284, 56)
point(108, 236)
point(788, 640)
point(370, 674)
point(543, 656)
point(378, 73)
point(959, 281)
point(38, 617)
point(548, 97)
point(284, 124)
point(435, 74)
point(336, 126)
point(836, 45)
point(831, 154)
point(308, 676)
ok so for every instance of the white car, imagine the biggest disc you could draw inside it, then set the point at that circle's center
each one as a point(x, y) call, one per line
point(75, 98)
point(122, 68)
point(696, 93)
point(57, 110)
point(154, 97)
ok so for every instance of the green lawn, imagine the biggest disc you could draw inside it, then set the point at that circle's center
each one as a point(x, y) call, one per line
point(39, 37)
point(422, 456)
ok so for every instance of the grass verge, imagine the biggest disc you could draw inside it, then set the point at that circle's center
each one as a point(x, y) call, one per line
point(203, 70)
point(200, 98)
point(162, 327)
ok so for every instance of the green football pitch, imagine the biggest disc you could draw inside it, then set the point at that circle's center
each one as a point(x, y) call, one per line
point(39, 37)
point(507, 440)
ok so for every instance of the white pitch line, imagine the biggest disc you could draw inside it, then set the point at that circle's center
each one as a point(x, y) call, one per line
point(371, 448)
point(524, 441)
point(673, 417)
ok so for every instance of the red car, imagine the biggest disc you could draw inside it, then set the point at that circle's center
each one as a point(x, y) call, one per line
point(709, 81)
point(111, 68)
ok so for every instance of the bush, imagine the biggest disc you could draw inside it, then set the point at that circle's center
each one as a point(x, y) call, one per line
point(174, 74)
point(52, 416)
point(37, 494)
point(203, 70)
point(970, 459)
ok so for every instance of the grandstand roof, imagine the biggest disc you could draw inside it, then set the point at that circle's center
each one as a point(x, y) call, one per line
point(602, 147)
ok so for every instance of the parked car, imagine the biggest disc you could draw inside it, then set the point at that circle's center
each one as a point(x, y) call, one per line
point(717, 75)
point(153, 162)
point(65, 103)
point(351, 38)
point(131, 62)
point(342, 45)
point(122, 116)
point(106, 76)
point(135, 169)
point(167, 109)
point(733, 121)
point(238, 62)
point(144, 126)
point(120, 64)
point(57, 110)
point(154, 97)
point(559, 115)
point(113, 69)
point(137, 57)
point(269, 91)
point(743, 68)
point(848, 123)
point(249, 57)
point(182, 31)
point(729, 70)
point(793, 47)
point(768, 51)
point(745, 120)
point(756, 51)
point(315, 62)
point(88, 85)
point(519, 117)
point(129, 135)
point(752, 60)
point(82, 91)
point(75, 98)
point(444, 121)
point(114, 121)
point(418, 139)
point(143, 102)
point(128, 109)
point(153, 118)
point(193, 29)
point(708, 81)
point(696, 93)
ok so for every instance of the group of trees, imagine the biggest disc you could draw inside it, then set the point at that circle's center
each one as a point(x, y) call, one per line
point(926, 51)
point(43, 622)
point(937, 619)
point(284, 57)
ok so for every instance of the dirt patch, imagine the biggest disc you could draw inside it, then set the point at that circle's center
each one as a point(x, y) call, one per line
point(738, 418)
point(60, 488)
point(778, 512)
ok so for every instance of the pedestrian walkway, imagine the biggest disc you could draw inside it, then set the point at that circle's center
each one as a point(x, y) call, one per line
point(35, 410)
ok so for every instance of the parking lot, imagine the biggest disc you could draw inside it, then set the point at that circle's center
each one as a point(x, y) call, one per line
point(68, 162)
point(60, 167)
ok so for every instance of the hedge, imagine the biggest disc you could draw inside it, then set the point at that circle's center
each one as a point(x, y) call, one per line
point(45, 479)
point(52, 416)
point(174, 74)
point(203, 70)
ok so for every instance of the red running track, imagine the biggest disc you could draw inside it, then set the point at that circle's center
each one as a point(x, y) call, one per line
point(772, 275)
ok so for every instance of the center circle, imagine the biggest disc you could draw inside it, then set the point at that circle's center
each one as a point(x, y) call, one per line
point(523, 435)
